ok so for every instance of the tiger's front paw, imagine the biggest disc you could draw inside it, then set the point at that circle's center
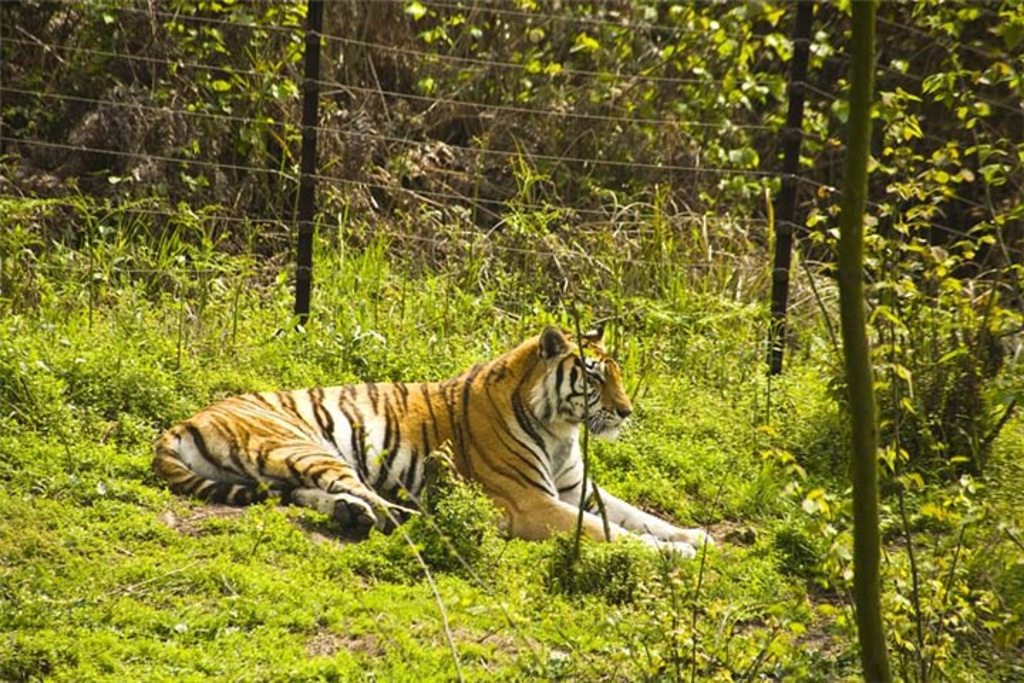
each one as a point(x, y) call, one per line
point(355, 511)
point(391, 515)
point(680, 549)
point(695, 537)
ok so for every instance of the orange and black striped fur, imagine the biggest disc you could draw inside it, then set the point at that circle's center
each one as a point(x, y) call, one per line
point(354, 451)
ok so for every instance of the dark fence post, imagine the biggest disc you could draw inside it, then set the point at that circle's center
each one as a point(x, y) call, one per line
point(785, 203)
point(307, 177)
point(2, 9)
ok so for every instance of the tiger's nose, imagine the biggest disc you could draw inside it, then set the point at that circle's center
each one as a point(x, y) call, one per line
point(623, 412)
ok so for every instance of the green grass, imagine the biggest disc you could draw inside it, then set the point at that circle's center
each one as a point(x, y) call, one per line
point(104, 575)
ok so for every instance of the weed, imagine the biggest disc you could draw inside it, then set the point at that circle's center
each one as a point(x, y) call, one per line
point(614, 572)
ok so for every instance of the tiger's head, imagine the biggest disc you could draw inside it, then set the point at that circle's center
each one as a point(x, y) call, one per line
point(571, 391)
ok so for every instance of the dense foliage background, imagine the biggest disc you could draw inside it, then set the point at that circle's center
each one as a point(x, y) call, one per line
point(486, 168)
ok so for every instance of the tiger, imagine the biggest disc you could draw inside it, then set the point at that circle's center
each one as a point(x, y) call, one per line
point(358, 453)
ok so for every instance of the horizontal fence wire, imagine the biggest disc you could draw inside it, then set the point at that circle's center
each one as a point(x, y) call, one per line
point(339, 87)
point(516, 66)
point(432, 56)
point(270, 121)
point(549, 113)
point(568, 254)
point(92, 269)
point(578, 19)
point(435, 56)
point(486, 205)
point(439, 196)
point(494, 9)
point(638, 225)
point(335, 85)
point(471, 239)
point(293, 175)
point(67, 147)
point(511, 109)
point(725, 125)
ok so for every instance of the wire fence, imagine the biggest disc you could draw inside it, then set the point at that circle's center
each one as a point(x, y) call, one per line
point(418, 124)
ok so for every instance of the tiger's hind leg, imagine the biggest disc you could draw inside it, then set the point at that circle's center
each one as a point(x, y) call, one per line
point(351, 510)
point(200, 460)
point(171, 463)
point(329, 484)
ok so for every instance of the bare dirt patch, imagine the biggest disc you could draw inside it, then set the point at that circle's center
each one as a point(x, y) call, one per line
point(326, 644)
point(191, 524)
point(325, 532)
point(822, 639)
point(191, 521)
point(502, 640)
point(737, 533)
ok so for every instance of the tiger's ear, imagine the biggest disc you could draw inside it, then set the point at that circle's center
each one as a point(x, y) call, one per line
point(553, 343)
point(595, 335)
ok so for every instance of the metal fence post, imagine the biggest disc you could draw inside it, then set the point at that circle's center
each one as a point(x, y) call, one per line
point(307, 176)
point(785, 203)
point(1, 81)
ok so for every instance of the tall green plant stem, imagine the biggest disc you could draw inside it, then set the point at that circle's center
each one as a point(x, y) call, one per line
point(864, 465)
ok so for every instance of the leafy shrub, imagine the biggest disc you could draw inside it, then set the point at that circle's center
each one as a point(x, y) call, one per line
point(30, 394)
point(457, 531)
point(31, 659)
point(614, 572)
point(797, 551)
point(123, 385)
point(385, 558)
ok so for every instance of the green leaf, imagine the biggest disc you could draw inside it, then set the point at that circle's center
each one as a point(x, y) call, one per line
point(427, 85)
point(841, 110)
point(933, 83)
point(950, 355)
point(585, 43)
point(993, 173)
point(773, 15)
point(913, 480)
point(901, 372)
point(220, 85)
point(1012, 33)
point(415, 10)
point(907, 405)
